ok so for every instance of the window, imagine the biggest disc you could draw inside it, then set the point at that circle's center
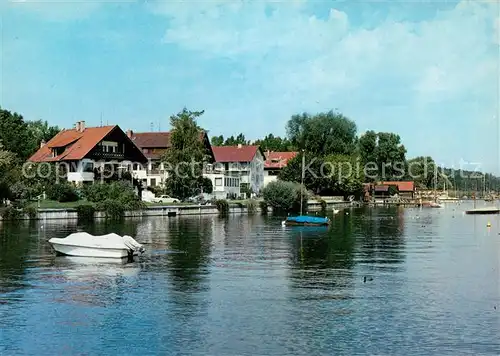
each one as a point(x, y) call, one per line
point(153, 182)
point(88, 167)
point(225, 182)
point(218, 182)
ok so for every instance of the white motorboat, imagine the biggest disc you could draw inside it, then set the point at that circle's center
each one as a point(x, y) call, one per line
point(83, 244)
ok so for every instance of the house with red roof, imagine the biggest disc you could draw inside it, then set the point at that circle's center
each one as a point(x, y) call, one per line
point(237, 169)
point(275, 162)
point(153, 145)
point(406, 189)
point(83, 151)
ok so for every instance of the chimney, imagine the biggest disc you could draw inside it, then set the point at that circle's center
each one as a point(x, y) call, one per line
point(42, 143)
point(130, 133)
point(239, 145)
point(77, 126)
point(82, 126)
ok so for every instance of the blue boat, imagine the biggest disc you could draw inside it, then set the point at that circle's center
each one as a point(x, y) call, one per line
point(304, 220)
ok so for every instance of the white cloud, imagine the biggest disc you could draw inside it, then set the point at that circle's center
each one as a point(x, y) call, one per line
point(445, 56)
point(418, 69)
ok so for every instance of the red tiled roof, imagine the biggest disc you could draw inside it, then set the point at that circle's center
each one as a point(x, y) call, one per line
point(278, 159)
point(381, 188)
point(157, 141)
point(235, 153)
point(402, 186)
point(151, 139)
point(77, 144)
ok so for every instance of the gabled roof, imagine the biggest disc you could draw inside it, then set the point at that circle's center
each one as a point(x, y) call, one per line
point(240, 153)
point(77, 144)
point(402, 186)
point(151, 139)
point(157, 141)
point(278, 159)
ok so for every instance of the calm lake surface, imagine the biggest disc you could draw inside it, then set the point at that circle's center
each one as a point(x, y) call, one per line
point(247, 286)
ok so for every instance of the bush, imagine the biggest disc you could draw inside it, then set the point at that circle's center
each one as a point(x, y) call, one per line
point(112, 209)
point(252, 206)
point(85, 212)
point(223, 206)
point(263, 207)
point(62, 192)
point(31, 211)
point(284, 196)
point(121, 192)
point(11, 213)
point(96, 192)
point(323, 204)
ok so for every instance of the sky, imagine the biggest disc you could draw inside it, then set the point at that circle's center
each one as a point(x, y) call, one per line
point(428, 71)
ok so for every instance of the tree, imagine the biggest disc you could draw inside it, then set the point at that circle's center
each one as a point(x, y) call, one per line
point(390, 155)
point(382, 156)
point(330, 175)
point(7, 160)
point(274, 143)
point(185, 159)
point(217, 140)
point(23, 137)
point(39, 131)
point(284, 196)
point(239, 140)
point(367, 144)
point(322, 134)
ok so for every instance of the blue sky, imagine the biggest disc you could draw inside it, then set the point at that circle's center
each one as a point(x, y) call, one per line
point(428, 71)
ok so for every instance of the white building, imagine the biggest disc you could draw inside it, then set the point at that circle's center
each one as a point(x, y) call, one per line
point(275, 162)
point(237, 169)
point(154, 145)
point(90, 153)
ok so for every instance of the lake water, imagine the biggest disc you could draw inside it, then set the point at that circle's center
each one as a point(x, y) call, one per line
point(247, 286)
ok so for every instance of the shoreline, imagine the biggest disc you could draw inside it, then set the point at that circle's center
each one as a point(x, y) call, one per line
point(164, 210)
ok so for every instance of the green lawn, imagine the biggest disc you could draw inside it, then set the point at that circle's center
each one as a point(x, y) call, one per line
point(52, 204)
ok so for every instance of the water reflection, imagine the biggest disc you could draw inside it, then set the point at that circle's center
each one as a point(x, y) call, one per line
point(381, 242)
point(14, 252)
point(246, 285)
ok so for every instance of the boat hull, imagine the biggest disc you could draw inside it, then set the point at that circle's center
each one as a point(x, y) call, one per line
point(295, 223)
point(87, 251)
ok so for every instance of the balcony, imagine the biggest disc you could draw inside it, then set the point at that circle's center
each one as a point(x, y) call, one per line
point(155, 171)
point(108, 155)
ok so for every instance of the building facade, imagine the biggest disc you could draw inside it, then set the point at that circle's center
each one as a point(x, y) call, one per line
point(87, 154)
point(238, 171)
point(275, 162)
point(154, 145)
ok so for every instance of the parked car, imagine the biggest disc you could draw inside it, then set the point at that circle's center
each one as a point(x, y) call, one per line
point(200, 199)
point(165, 199)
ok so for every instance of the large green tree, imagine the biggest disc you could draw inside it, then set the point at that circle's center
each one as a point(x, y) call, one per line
point(323, 134)
point(274, 143)
point(185, 159)
point(217, 140)
point(331, 175)
point(383, 156)
point(7, 166)
point(23, 137)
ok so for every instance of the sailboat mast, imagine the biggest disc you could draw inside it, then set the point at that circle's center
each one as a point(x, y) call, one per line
point(302, 179)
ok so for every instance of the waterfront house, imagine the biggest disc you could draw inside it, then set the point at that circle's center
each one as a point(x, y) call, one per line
point(406, 189)
point(381, 191)
point(275, 162)
point(86, 151)
point(153, 145)
point(237, 170)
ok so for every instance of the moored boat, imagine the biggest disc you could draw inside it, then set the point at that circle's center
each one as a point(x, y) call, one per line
point(83, 244)
point(304, 220)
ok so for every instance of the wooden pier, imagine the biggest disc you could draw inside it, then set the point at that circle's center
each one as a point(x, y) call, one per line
point(483, 211)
